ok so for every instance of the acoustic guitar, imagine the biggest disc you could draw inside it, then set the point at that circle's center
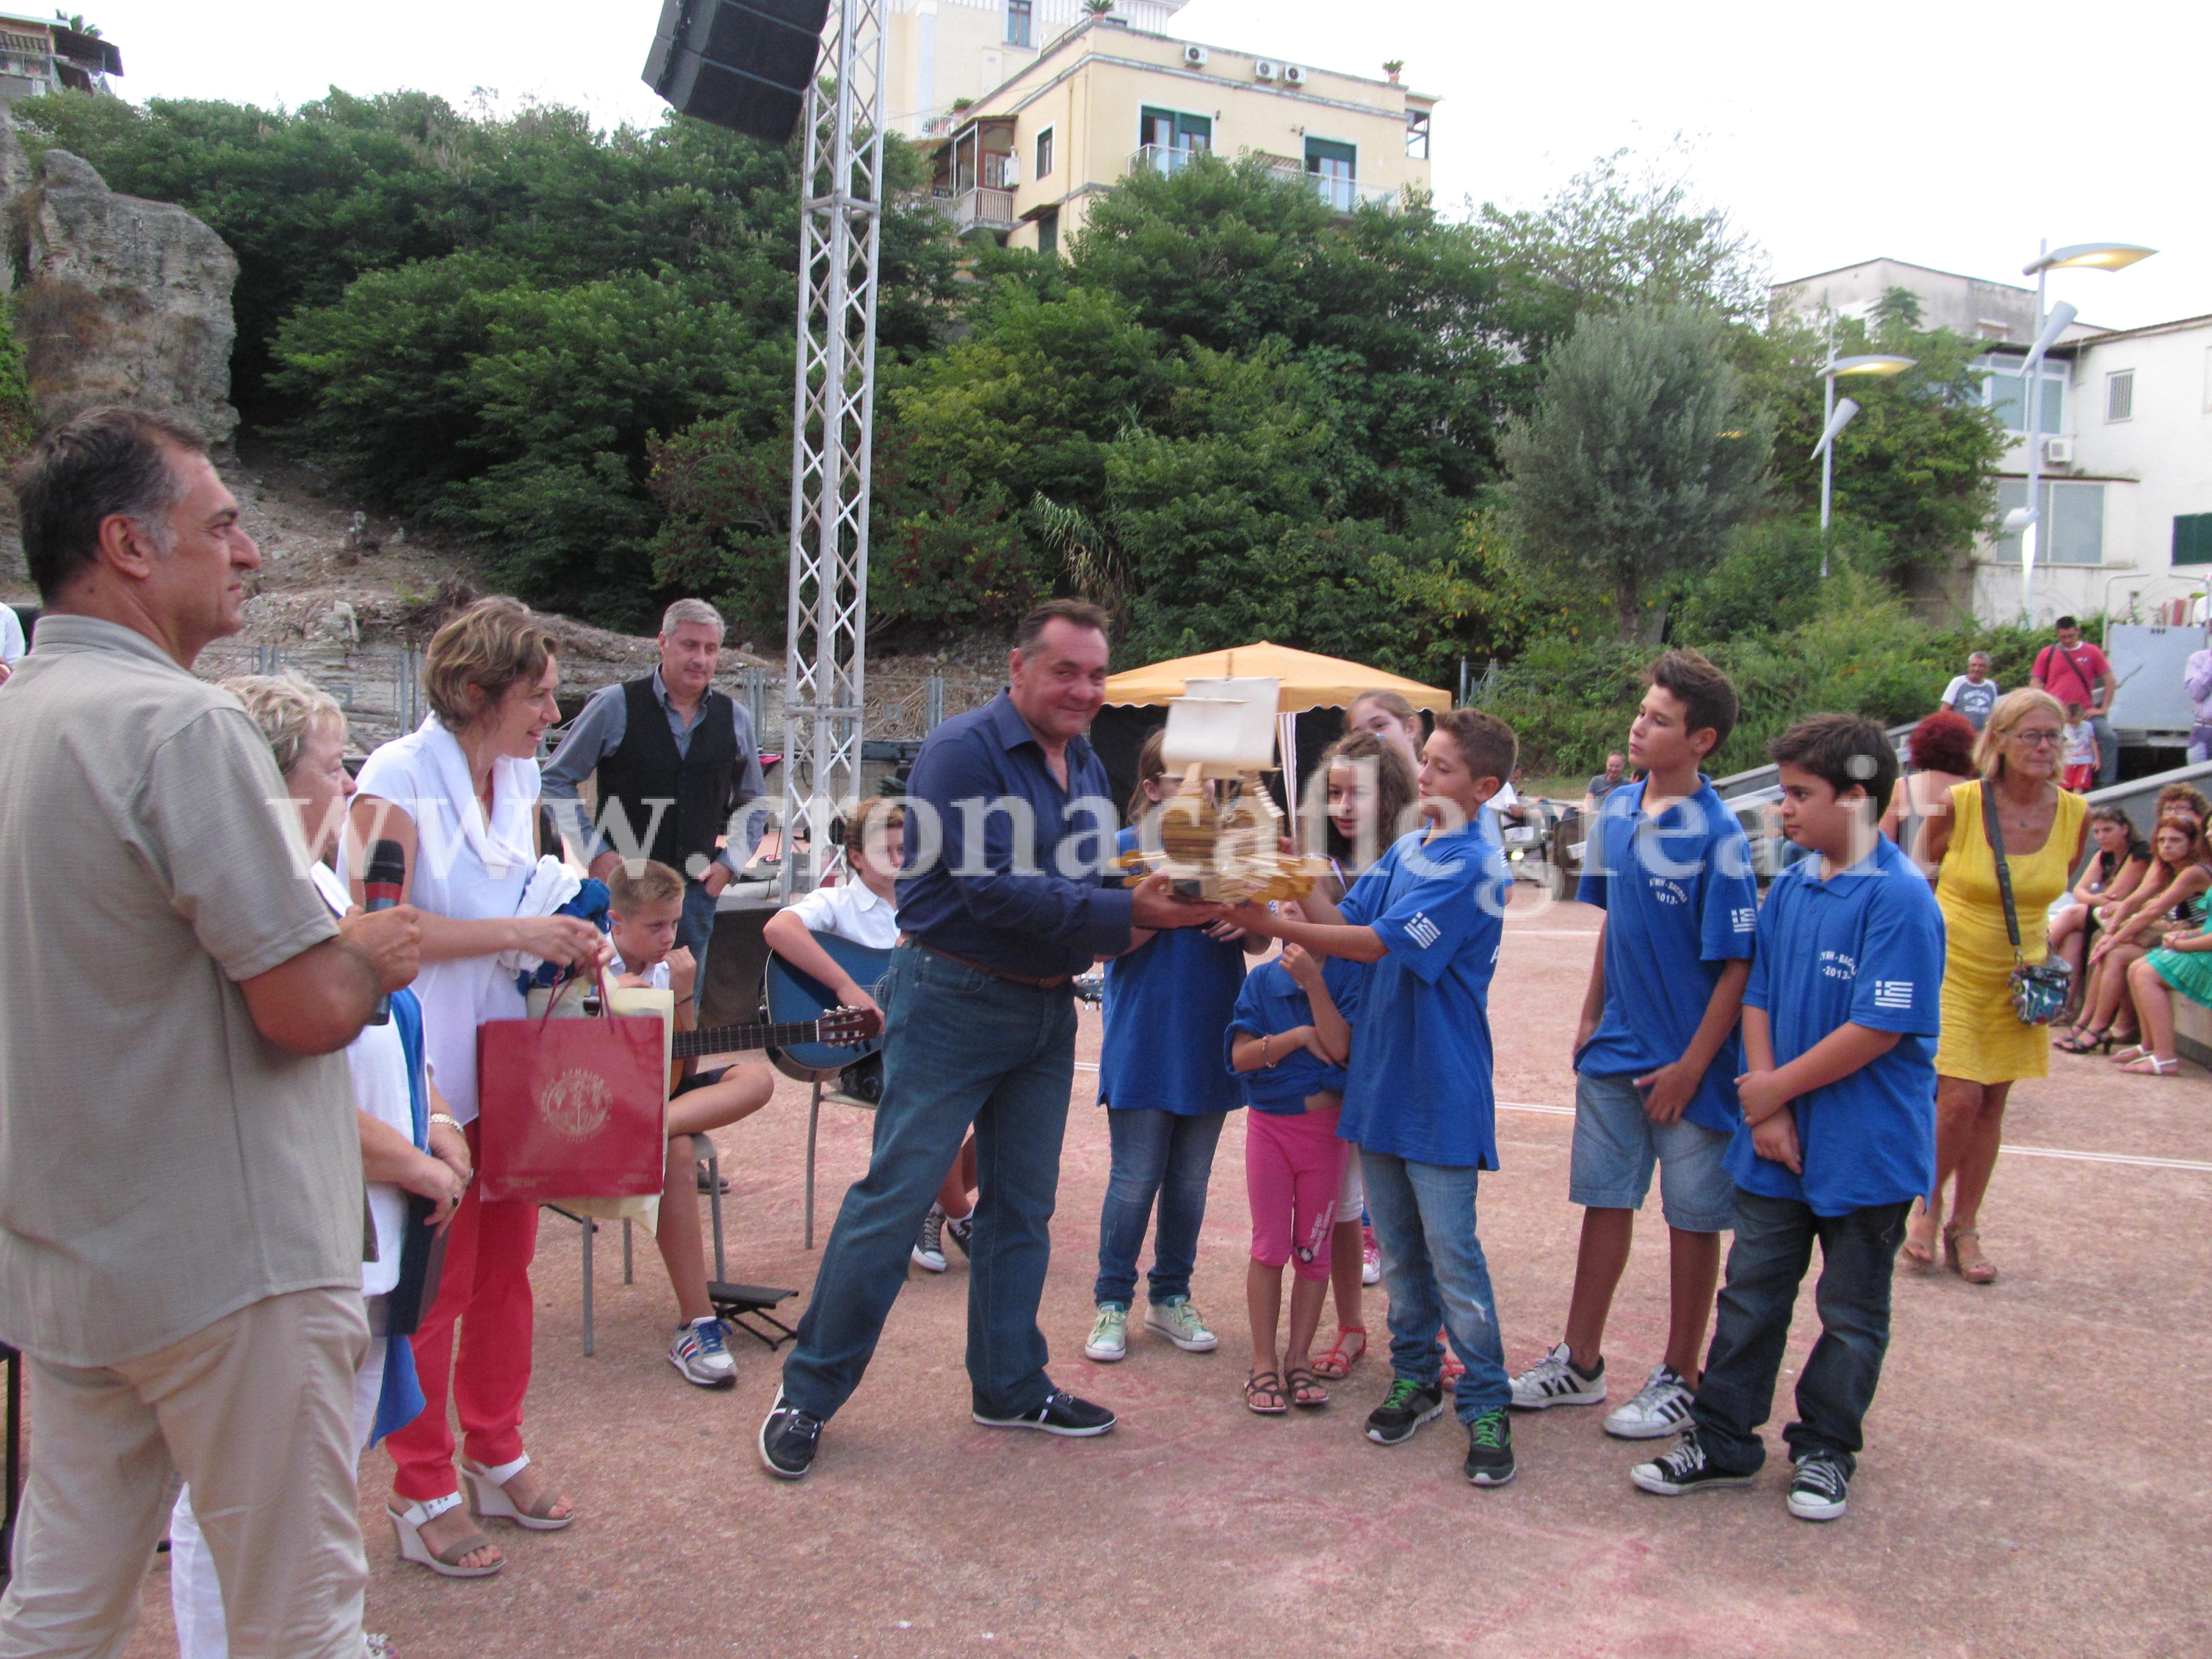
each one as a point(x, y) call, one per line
point(831, 1025)
point(793, 995)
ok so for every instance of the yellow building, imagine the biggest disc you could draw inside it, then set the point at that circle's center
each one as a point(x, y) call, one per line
point(940, 53)
point(1103, 99)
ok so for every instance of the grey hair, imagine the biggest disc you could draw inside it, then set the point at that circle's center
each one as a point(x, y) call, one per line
point(691, 611)
point(288, 707)
point(1981, 656)
point(107, 462)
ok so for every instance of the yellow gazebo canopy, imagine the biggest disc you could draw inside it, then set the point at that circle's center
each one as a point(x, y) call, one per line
point(1310, 680)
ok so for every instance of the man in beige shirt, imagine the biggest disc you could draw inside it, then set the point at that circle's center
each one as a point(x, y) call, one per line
point(180, 1189)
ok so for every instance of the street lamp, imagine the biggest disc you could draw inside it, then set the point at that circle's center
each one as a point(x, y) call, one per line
point(1838, 416)
point(2089, 256)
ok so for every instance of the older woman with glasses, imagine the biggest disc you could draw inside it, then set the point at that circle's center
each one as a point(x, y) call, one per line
point(1985, 1048)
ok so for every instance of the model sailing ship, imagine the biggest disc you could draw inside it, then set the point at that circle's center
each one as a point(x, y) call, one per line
point(1218, 837)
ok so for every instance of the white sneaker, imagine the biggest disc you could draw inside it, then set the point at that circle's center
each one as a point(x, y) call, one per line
point(1178, 1322)
point(1661, 1408)
point(702, 1356)
point(1553, 1381)
point(1370, 1258)
point(1109, 1334)
point(928, 1251)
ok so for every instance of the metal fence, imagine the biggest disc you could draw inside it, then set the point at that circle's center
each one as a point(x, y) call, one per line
point(380, 689)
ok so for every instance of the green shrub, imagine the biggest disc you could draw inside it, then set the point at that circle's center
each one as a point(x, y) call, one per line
point(1860, 652)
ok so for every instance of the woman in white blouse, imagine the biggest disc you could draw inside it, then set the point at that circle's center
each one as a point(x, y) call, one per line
point(307, 735)
point(460, 796)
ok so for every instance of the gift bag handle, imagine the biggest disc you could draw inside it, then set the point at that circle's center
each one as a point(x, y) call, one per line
point(569, 976)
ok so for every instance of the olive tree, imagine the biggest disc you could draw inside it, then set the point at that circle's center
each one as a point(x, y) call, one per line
point(1644, 450)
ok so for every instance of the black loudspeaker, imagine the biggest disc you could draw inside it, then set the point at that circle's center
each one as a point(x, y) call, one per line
point(745, 64)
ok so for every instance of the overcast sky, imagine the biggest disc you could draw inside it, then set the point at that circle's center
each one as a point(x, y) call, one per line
point(1956, 139)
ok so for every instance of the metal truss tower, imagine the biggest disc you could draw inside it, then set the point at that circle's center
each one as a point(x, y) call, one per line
point(833, 434)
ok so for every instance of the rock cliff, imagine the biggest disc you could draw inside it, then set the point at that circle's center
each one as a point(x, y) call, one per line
point(119, 299)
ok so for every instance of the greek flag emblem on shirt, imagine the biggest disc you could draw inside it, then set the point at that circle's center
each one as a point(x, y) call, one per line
point(1893, 993)
point(1425, 932)
point(1744, 919)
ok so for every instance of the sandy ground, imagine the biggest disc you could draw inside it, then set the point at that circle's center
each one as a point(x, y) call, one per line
point(2034, 1482)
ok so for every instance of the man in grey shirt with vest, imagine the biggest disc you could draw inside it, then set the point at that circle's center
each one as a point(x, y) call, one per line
point(180, 1188)
point(677, 763)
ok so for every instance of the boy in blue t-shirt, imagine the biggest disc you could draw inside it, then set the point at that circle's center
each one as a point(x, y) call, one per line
point(1839, 1027)
point(1429, 914)
point(1656, 1055)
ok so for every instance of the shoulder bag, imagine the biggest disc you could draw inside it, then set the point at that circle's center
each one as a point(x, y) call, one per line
point(2039, 989)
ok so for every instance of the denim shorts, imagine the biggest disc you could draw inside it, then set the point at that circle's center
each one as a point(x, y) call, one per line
point(1616, 1145)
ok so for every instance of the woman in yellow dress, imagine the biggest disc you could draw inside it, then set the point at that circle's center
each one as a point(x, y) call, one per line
point(1984, 1048)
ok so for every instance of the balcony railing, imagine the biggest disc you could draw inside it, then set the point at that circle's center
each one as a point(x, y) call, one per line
point(978, 209)
point(1342, 194)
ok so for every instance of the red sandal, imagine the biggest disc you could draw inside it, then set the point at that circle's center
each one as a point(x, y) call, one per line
point(1336, 1364)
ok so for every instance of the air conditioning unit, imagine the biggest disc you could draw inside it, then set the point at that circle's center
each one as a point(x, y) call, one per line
point(1265, 69)
point(1195, 56)
point(1293, 76)
point(2058, 452)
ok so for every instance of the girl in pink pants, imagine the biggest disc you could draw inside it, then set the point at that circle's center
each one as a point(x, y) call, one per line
point(1287, 1044)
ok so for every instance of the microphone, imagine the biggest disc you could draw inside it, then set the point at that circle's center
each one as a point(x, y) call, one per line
point(383, 879)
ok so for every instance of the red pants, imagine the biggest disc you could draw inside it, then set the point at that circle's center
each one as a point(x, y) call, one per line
point(1293, 1167)
point(486, 1288)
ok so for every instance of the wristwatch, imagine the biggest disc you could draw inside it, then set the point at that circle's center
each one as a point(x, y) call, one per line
point(446, 1118)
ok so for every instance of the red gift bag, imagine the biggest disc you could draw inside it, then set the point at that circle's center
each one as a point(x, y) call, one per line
point(572, 1107)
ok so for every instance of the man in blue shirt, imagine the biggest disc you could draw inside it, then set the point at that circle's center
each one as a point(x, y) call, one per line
point(1005, 896)
point(1839, 1028)
point(1657, 1055)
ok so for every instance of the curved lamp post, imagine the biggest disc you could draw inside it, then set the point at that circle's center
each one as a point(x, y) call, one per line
point(1839, 416)
point(2028, 521)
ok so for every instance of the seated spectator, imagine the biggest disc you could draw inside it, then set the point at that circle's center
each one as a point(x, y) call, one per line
point(863, 911)
point(2120, 862)
point(2171, 897)
point(2183, 964)
point(646, 909)
point(402, 1150)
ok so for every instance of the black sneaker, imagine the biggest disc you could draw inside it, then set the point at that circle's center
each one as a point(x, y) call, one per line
point(1404, 1409)
point(788, 1440)
point(1062, 1413)
point(1489, 1449)
point(1684, 1470)
point(961, 1233)
point(1818, 1490)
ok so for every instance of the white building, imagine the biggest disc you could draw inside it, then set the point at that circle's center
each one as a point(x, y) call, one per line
point(2127, 444)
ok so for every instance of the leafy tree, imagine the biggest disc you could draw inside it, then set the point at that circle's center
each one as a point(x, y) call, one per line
point(1613, 237)
point(1643, 452)
point(1917, 467)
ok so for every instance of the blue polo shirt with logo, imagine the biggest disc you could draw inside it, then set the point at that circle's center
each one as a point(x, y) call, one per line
point(1681, 903)
point(1864, 947)
point(1419, 1085)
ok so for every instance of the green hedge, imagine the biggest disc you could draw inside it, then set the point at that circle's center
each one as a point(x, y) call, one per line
point(1862, 652)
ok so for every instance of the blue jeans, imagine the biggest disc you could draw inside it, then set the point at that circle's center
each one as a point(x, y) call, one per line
point(1162, 1155)
point(960, 1048)
point(1434, 1270)
point(697, 927)
point(1766, 1264)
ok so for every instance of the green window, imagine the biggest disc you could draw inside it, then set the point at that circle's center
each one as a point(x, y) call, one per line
point(2192, 538)
point(1167, 129)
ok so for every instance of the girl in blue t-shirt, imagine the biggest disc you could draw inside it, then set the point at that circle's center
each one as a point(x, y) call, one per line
point(1287, 1046)
point(1168, 997)
point(1365, 797)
